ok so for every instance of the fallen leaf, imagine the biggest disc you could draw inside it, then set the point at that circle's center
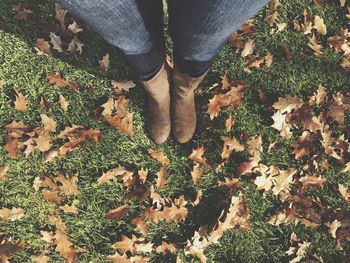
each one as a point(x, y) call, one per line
point(20, 102)
point(12, 214)
point(42, 47)
point(104, 63)
point(57, 80)
point(159, 156)
point(118, 212)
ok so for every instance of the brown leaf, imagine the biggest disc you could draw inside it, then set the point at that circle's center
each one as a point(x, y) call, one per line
point(230, 145)
point(20, 102)
point(119, 212)
point(159, 156)
point(63, 245)
point(56, 42)
point(122, 119)
point(57, 80)
point(344, 192)
point(234, 98)
point(110, 174)
point(229, 123)
point(197, 156)
point(161, 179)
point(75, 46)
point(3, 172)
point(11, 214)
point(196, 174)
point(9, 247)
point(104, 63)
point(165, 248)
point(52, 196)
point(63, 102)
point(22, 12)
point(42, 47)
point(75, 28)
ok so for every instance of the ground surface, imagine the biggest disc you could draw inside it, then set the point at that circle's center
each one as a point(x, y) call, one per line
point(24, 70)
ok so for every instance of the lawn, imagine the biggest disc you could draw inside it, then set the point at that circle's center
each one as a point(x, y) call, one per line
point(54, 206)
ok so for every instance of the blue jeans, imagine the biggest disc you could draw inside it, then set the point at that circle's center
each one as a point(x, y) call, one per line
point(198, 28)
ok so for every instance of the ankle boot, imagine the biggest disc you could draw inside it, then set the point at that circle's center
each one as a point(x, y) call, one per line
point(158, 104)
point(183, 105)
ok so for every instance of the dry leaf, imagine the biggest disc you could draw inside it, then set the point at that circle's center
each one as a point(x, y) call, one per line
point(42, 47)
point(159, 156)
point(57, 80)
point(20, 102)
point(56, 42)
point(104, 63)
point(11, 214)
point(118, 212)
point(75, 46)
point(161, 179)
point(63, 102)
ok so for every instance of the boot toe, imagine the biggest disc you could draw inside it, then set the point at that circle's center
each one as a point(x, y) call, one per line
point(160, 136)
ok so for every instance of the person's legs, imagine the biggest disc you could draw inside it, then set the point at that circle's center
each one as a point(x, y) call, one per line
point(199, 30)
point(134, 26)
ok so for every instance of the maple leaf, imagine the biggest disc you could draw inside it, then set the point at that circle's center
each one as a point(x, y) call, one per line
point(20, 102)
point(57, 80)
point(104, 63)
point(42, 47)
point(118, 212)
point(159, 156)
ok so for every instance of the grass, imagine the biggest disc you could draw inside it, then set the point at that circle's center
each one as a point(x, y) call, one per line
point(24, 70)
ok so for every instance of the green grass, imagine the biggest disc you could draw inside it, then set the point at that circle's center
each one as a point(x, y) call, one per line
point(24, 70)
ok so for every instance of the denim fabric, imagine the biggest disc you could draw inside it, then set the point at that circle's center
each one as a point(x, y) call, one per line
point(198, 28)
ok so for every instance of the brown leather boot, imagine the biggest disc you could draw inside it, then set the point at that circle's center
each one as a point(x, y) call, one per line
point(158, 104)
point(183, 105)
